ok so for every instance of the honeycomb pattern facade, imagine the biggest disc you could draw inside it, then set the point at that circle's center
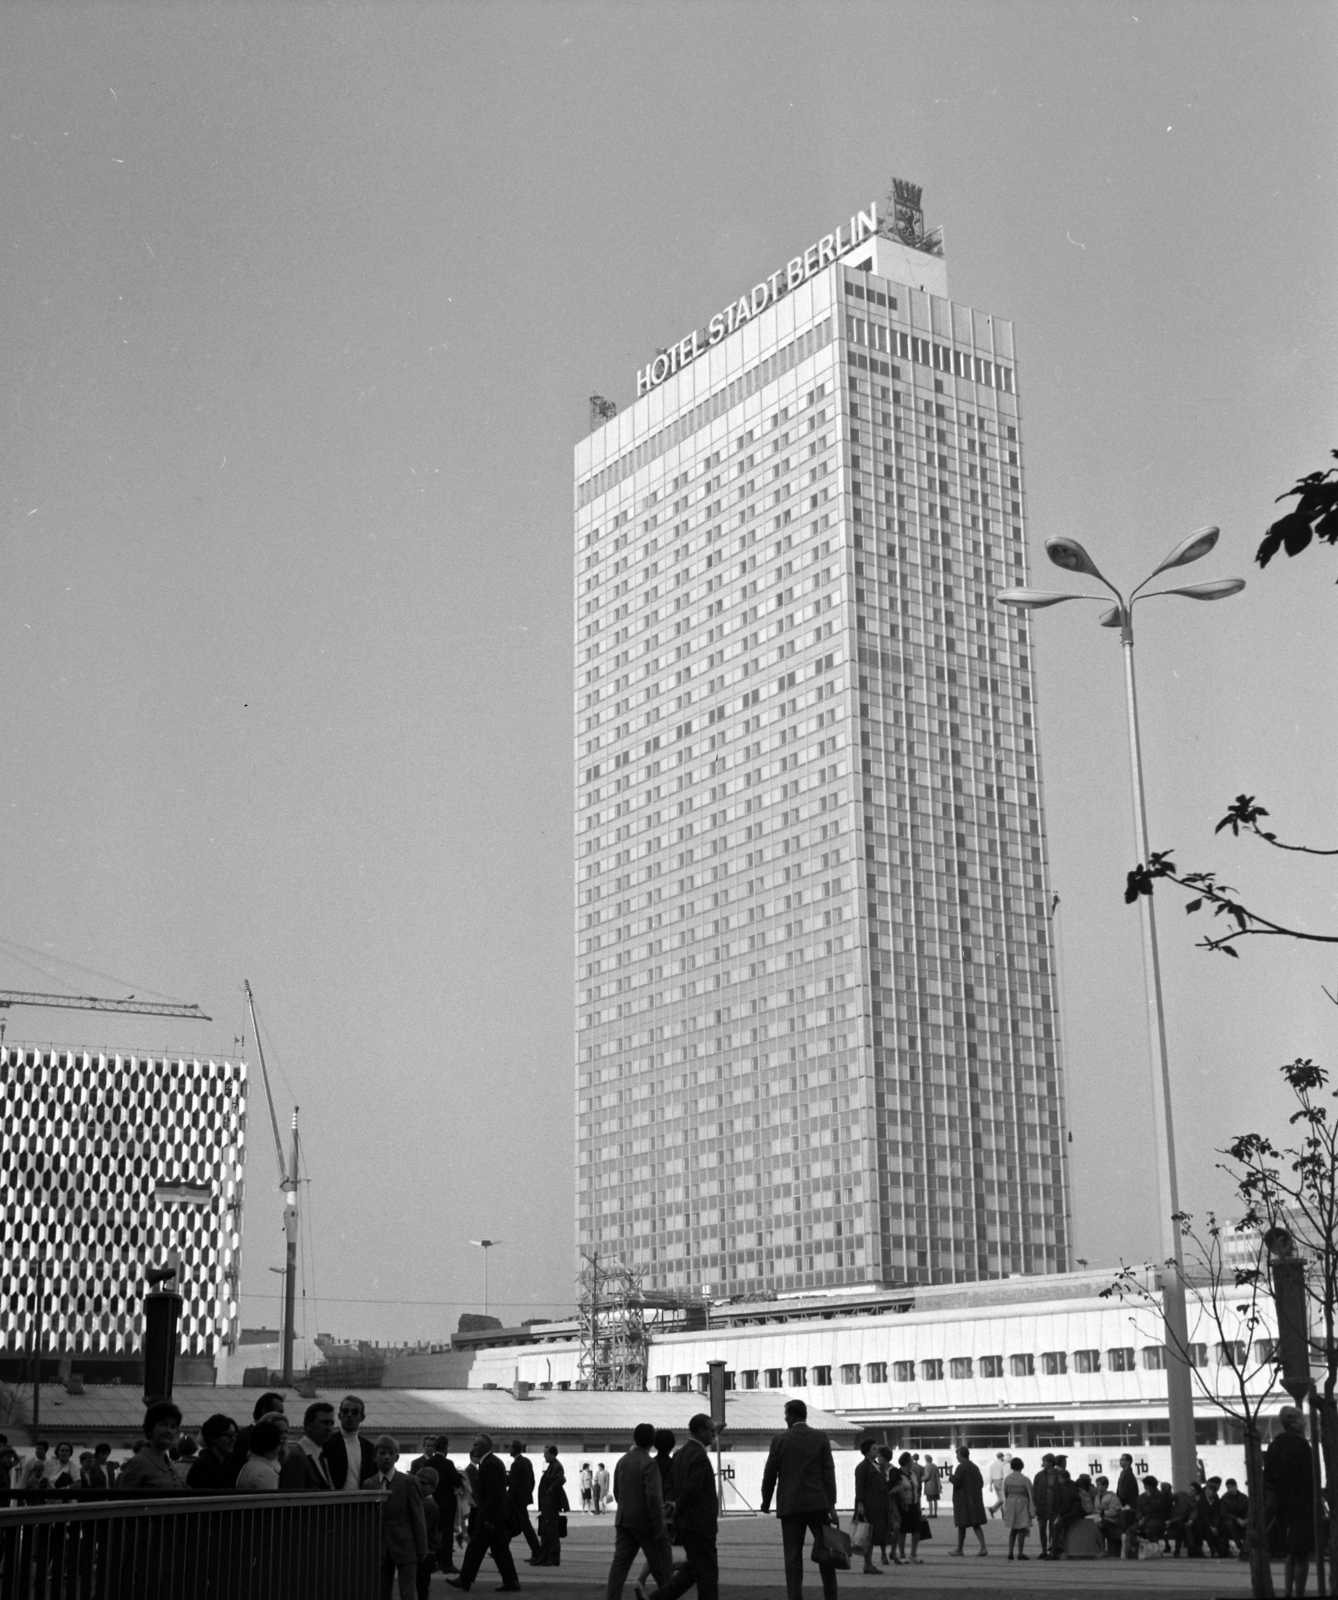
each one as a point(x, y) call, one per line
point(110, 1162)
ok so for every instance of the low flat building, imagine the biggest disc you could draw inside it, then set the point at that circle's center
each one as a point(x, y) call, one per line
point(576, 1421)
point(1023, 1364)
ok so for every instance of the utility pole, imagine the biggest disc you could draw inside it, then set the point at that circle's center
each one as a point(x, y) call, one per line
point(485, 1245)
point(290, 1263)
point(39, 1291)
point(715, 1383)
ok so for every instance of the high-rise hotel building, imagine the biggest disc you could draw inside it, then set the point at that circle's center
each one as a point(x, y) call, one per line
point(816, 1012)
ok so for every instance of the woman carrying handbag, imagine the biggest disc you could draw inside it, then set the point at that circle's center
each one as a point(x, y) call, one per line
point(913, 1523)
point(870, 1526)
point(892, 1477)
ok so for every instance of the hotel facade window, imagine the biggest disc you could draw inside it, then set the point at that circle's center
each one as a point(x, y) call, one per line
point(814, 969)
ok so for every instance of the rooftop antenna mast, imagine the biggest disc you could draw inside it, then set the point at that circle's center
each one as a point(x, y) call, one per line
point(288, 1170)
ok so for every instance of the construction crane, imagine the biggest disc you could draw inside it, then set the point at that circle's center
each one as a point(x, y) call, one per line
point(90, 1002)
point(288, 1181)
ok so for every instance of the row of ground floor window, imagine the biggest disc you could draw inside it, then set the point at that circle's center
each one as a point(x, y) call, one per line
point(1053, 1363)
point(1054, 1434)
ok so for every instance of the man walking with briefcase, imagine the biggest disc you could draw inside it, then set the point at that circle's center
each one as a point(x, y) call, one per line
point(802, 1475)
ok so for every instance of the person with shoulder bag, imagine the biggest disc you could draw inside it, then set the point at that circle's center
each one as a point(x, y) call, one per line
point(869, 1524)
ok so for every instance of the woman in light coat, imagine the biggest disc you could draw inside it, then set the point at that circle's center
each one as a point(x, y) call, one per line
point(1018, 1509)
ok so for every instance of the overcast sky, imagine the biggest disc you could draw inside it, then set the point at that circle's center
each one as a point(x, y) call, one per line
point(302, 310)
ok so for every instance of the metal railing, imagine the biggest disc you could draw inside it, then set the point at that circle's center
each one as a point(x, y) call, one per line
point(104, 1546)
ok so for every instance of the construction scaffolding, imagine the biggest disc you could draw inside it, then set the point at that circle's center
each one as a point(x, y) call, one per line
point(617, 1317)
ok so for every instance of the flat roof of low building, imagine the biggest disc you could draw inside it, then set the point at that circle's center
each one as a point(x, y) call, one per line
point(116, 1411)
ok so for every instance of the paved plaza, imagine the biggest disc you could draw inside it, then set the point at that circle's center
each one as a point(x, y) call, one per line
point(750, 1558)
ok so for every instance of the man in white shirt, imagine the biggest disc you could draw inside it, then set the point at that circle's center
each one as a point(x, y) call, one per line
point(305, 1468)
point(998, 1472)
point(349, 1457)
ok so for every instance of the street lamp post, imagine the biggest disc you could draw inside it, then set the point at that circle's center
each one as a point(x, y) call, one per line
point(485, 1245)
point(1070, 555)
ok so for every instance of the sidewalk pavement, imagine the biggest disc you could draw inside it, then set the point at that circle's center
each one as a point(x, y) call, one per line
point(750, 1558)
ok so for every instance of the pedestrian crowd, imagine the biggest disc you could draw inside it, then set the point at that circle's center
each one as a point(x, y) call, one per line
point(665, 1496)
point(430, 1511)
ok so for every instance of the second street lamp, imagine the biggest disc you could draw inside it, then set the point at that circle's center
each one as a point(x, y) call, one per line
point(1070, 555)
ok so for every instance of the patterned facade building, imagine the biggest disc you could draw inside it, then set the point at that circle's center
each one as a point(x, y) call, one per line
point(817, 1037)
point(112, 1162)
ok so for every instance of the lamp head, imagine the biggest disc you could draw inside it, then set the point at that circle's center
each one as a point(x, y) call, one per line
point(1035, 599)
point(1191, 549)
point(1070, 555)
point(1114, 618)
point(1214, 589)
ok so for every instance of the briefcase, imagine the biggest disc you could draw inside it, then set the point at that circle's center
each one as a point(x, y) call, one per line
point(833, 1550)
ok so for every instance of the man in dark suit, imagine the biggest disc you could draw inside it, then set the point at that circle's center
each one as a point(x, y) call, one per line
point(1043, 1487)
point(520, 1486)
point(639, 1523)
point(448, 1481)
point(1126, 1492)
point(696, 1514)
point(348, 1455)
point(801, 1474)
point(403, 1525)
point(552, 1506)
point(305, 1467)
point(491, 1529)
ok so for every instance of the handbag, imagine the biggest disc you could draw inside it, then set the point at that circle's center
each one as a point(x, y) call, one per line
point(834, 1549)
point(562, 1527)
point(926, 1532)
point(860, 1535)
